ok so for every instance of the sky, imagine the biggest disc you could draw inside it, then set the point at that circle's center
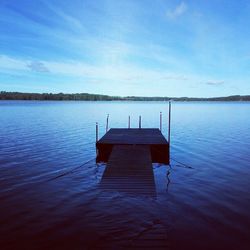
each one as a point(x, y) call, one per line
point(126, 47)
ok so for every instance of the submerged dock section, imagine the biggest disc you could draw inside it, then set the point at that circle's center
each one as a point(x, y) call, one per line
point(131, 173)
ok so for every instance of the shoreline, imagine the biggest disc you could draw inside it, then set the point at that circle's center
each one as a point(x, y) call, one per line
point(19, 96)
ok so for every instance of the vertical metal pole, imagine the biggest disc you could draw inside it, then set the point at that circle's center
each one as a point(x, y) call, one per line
point(129, 121)
point(169, 122)
point(139, 121)
point(96, 132)
point(96, 137)
point(160, 121)
point(107, 123)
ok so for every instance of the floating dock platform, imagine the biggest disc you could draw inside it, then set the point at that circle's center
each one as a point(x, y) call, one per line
point(151, 137)
point(129, 154)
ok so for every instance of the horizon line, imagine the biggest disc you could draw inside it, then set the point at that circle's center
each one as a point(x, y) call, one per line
point(119, 96)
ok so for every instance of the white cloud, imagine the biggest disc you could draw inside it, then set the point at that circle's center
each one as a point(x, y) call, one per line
point(9, 63)
point(126, 78)
point(112, 72)
point(179, 10)
point(215, 83)
point(69, 19)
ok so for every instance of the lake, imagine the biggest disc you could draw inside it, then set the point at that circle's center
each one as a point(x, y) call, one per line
point(49, 192)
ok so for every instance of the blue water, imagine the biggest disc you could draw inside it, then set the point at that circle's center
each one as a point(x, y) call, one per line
point(49, 200)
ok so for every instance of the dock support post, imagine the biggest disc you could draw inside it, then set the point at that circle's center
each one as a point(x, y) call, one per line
point(96, 131)
point(169, 121)
point(139, 121)
point(129, 121)
point(107, 123)
point(160, 121)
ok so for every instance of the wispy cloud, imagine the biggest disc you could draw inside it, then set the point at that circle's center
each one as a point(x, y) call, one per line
point(111, 72)
point(73, 22)
point(9, 63)
point(124, 47)
point(178, 11)
point(77, 75)
point(215, 83)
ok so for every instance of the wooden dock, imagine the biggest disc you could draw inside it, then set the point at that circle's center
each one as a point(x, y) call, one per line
point(152, 137)
point(129, 154)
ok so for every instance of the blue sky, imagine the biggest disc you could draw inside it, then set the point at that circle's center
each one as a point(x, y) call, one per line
point(126, 47)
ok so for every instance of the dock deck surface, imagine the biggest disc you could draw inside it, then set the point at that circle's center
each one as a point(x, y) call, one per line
point(133, 136)
point(151, 137)
point(129, 169)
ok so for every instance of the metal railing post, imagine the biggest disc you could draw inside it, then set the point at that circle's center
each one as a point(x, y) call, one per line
point(96, 132)
point(129, 121)
point(139, 121)
point(107, 123)
point(160, 121)
point(169, 121)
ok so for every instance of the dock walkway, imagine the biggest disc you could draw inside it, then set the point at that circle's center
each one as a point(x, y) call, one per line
point(129, 169)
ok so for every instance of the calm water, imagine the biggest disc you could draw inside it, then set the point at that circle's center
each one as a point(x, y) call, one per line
point(48, 199)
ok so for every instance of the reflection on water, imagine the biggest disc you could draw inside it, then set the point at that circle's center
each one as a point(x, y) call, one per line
point(50, 191)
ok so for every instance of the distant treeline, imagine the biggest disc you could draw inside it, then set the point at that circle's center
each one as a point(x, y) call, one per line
point(57, 97)
point(93, 97)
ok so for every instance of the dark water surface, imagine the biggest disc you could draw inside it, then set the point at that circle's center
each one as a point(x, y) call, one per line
point(49, 200)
